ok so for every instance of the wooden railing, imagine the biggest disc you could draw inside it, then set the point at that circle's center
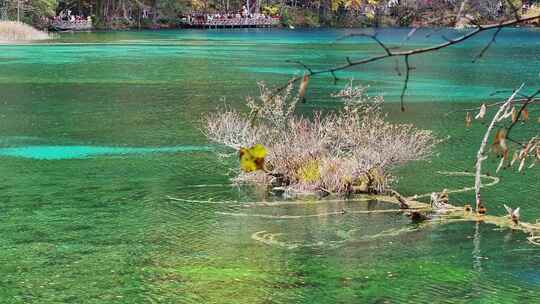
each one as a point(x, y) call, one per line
point(235, 22)
point(77, 25)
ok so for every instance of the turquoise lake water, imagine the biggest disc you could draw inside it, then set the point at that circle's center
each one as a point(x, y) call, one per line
point(97, 130)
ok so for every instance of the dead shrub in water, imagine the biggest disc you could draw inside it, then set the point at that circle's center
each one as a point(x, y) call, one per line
point(348, 150)
point(18, 31)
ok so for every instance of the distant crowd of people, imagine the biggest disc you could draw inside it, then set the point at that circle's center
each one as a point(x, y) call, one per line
point(67, 16)
point(218, 16)
point(242, 16)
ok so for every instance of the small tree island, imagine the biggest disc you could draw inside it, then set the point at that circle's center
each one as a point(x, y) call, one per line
point(347, 151)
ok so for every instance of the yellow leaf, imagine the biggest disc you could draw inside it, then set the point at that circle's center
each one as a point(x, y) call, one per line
point(248, 165)
point(258, 151)
point(253, 158)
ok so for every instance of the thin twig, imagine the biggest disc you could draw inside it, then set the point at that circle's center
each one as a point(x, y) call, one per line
point(302, 64)
point(495, 104)
point(372, 36)
point(508, 92)
point(487, 46)
point(523, 106)
point(405, 83)
point(336, 79)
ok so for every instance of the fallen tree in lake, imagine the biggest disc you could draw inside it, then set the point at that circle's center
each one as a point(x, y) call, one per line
point(306, 164)
point(346, 152)
point(424, 214)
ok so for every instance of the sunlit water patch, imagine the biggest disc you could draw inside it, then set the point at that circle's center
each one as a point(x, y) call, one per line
point(74, 152)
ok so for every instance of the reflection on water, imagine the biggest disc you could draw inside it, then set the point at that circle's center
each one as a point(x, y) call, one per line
point(103, 230)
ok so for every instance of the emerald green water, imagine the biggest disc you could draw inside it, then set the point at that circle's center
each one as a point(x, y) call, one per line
point(97, 129)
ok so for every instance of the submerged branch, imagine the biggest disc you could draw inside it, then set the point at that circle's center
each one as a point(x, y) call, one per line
point(452, 214)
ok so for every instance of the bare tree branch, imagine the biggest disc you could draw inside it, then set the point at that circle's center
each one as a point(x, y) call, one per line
point(388, 53)
point(480, 157)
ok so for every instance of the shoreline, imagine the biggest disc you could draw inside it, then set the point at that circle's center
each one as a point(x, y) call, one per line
point(281, 27)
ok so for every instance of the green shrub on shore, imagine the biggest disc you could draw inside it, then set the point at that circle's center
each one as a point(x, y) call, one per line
point(18, 31)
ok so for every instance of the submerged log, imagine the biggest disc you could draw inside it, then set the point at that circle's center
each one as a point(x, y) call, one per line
point(465, 214)
point(402, 201)
point(439, 201)
point(417, 211)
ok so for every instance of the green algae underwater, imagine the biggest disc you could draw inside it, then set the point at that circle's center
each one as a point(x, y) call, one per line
point(97, 130)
